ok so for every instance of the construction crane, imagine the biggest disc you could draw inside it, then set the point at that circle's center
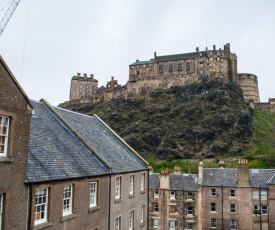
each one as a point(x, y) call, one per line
point(8, 15)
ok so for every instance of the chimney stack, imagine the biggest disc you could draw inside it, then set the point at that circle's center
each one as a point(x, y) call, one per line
point(164, 179)
point(214, 48)
point(78, 74)
point(155, 55)
point(112, 78)
point(177, 170)
point(243, 174)
point(200, 172)
point(92, 76)
point(228, 47)
point(85, 75)
point(150, 169)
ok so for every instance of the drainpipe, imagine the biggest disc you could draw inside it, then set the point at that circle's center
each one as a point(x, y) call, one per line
point(109, 214)
point(148, 197)
point(30, 188)
point(222, 206)
point(260, 197)
point(267, 208)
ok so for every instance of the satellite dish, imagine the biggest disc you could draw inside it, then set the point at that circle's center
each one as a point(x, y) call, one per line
point(217, 195)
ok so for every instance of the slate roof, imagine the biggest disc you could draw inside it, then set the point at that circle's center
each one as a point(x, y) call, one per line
point(55, 153)
point(142, 62)
point(107, 145)
point(178, 182)
point(229, 177)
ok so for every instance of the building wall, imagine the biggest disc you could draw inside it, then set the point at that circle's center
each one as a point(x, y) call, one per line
point(83, 217)
point(268, 106)
point(13, 168)
point(122, 207)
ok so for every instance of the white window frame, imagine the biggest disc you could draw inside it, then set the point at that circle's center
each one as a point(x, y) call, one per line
point(232, 193)
point(233, 224)
point(93, 194)
point(67, 200)
point(189, 194)
point(142, 188)
point(156, 193)
point(233, 208)
point(41, 205)
point(172, 195)
point(189, 210)
point(132, 220)
point(172, 224)
point(132, 182)
point(118, 223)
point(1, 210)
point(213, 223)
point(4, 125)
point(213, 192)
point(118, 188)
point(142, 214)
point(264, 210)
point(263, 194)
point(155, 223)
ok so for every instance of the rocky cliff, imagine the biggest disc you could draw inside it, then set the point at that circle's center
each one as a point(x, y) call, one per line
point(203, 119)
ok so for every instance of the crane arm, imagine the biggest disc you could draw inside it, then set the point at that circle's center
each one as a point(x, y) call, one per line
point(8, 15)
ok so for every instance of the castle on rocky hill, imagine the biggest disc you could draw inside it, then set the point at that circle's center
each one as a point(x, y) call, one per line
point(165, 72)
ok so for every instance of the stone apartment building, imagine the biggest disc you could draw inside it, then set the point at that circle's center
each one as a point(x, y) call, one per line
point(15, 113)
point(216, 198)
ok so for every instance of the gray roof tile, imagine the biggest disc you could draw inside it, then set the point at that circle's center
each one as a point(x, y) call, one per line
point(55, 154)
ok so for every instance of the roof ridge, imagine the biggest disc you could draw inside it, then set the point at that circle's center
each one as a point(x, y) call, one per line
point(124, 142)
point(78, 135)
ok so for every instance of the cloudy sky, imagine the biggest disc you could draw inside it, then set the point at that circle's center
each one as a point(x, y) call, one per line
point(103, 37)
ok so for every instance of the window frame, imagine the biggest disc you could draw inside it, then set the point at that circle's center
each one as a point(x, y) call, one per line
point(69, 198)
point(156, 193)
point(213, 192)
point(142, 188)
point(156, 207)
point(172, 209)
point(170, 67)
point(132, 185)
point(161, 69)
point(188, 195)
point(189, 225)
point(233, 224)
point(142, 214)
point(155, 223)
point(232, 193)
point(132, 220)
point(5, 136)
point(188, 66)
point(264, 210)
point(94, 194)
point(42, 204)
point(118, 187)
point(179, 67)
point(189, 210)
point(118, 223)
point(1, 210)
point(213, 207)
point(172, 226)
point(232, 208)
point(172, 195)
point(213, 223)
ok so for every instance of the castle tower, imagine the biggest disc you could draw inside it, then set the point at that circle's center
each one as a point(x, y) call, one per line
point(249, 84)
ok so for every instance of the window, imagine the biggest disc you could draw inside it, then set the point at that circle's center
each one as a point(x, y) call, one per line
point(213, 223)
point(170, 68)
point(257, 195)
point(213, 207)
point(142, 181)
point(188, 66)
point(118, 188)
point(4, 134)
point(118, 223)
point(264, 194)
point(256, 209)
point(189, 210)
point(1, 210)
point(213, 192)
point(67, 200)
point(172, 224)
point(189, 225)
point(156, 194)
point(160, 68)
point(232, 193)
point(142, 213)
point(131, 220)
point(233, 225)
point(232, 208)
point(155, 222)
point(156, 207)
point(179, 67)
point(93, 194)
point(264, 210)
point(172, 208)
point(41, 206)
point(201, 65)
point(132, 177)
point(172, 195)
point(189, 196)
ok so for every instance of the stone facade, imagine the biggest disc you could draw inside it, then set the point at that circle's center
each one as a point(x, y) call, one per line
point(16, 107)
point(227, 199)
point(268, 106)
point(168, 71)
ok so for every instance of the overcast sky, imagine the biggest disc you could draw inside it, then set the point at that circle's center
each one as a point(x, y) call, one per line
point(104, 37)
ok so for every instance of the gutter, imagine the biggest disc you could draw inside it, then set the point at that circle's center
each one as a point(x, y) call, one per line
point(64, 122)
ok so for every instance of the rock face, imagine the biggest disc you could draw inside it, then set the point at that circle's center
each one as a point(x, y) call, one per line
point(205, 119)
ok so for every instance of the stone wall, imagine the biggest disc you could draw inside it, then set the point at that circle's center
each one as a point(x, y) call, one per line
point(268, 106)
point(249, 85)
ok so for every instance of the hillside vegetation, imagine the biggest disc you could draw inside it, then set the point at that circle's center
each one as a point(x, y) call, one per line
point(200, 120)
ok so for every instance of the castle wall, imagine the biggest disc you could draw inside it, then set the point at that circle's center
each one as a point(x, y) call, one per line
point(249, 85)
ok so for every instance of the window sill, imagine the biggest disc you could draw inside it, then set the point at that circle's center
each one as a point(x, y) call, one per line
point(132, 195)
point(41, 226)
point(143, 191)
point(92, 209)
point(6, 159)
point(70, 216)
point(142, 224)
point(118, 200)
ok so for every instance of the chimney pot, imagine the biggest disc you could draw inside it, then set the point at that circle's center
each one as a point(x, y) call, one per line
point(197, 49)
point(155, 54)
point(137, 60)
point(78, 75)
point(214, 47)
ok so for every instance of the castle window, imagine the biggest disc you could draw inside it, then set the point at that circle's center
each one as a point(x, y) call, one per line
point(179, 67)
point(161, 69)
point(188, 66)
point(172, 195)
point(189, 210)
point(170, 68)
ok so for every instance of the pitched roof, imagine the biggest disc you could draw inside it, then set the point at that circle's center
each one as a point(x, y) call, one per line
point(229, 177)
point(178, 182)
point(112, 149)
point(142, 62)
point(15, 81)
point(55, 153)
